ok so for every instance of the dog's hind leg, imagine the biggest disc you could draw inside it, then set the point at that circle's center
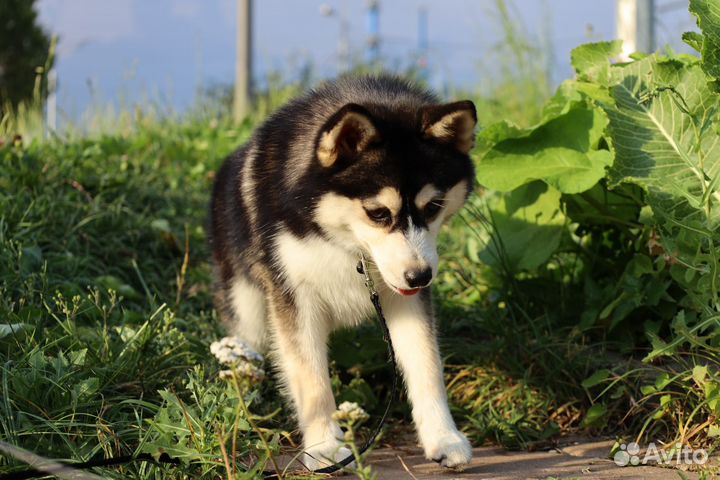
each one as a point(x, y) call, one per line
point(241, 304)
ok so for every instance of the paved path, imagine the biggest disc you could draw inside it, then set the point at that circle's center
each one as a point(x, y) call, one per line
point(586, 460)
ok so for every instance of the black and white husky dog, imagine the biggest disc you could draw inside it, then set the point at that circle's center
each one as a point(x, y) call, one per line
point(368, 165)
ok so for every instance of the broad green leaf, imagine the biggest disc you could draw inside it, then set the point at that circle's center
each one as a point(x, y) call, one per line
point(662, 381)
point(565, 98)
point(659, 347)
point(564, 152)
point(114, 283)
point(596, 378)
point(527, 228)
point(708, 19)
point(472, 249)
point(12, 328)
point(619, 391)
point(711, 396)
point(31, 260)
point(161, 225)
point(694, 39)
point(86, 388)
point(699, 373)
point(358, 391)
point(591, 61)
point(663, 133)
point(595, 416)
point(648, 389)
point(605, 313)
point(659, 413)
point(573, 94)
point(600, 206)
point(77, 357)
point(495, 133)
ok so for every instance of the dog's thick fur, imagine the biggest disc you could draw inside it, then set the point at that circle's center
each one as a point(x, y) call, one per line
point(372, 165)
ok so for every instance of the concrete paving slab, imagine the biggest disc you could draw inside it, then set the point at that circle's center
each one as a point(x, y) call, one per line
point(584, 460)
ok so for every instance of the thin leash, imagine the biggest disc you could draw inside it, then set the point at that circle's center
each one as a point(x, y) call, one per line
point(362, 269)
point(47, 471)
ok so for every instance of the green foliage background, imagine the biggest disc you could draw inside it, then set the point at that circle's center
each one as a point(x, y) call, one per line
point(617, 187)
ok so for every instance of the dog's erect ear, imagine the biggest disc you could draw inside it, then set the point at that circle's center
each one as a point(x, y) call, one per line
point(348, 132)
point(451, 123)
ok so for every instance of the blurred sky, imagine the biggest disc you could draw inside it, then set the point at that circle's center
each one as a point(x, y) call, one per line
point(135, 51)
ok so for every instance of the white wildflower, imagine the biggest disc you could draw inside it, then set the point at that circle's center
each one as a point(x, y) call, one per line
point(244, 370)
point(230, 350)
point(350, 412)
point(244, 362)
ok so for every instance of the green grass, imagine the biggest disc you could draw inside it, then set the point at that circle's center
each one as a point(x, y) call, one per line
point(104, 292)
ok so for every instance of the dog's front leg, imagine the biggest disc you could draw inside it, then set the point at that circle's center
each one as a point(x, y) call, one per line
point(412, 330)
point(300, 334)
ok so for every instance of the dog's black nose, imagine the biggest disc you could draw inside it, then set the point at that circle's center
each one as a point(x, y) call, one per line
point(418, 278)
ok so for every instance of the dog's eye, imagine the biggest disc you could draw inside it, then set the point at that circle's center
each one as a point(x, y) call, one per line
point(432, 208)
point(379, 215)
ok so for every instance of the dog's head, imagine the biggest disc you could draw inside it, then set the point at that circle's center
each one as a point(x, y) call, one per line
point(392, 179)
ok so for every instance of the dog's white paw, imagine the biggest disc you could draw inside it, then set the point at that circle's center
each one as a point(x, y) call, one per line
point(326, 455)
point(450, 449)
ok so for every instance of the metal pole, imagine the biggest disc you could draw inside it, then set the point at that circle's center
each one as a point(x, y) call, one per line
point(344, 44)
point(548, 48)
point(635, 26)
point(243, 61)
point(423, 43)
point(343, 50)
point(646, 26)
point(373, 31)
point(51, 103)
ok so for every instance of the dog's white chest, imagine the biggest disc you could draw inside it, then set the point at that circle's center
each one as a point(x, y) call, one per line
point(324, 279)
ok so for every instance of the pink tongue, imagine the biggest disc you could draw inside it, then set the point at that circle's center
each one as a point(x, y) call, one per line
point(407, 293)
